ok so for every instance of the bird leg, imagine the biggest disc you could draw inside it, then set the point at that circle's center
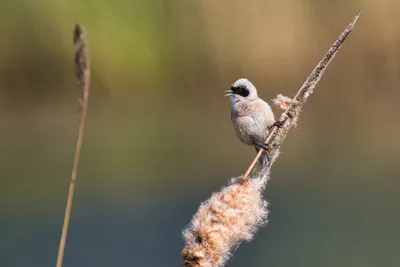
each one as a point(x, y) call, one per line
point(263, 146)
point(278, 124)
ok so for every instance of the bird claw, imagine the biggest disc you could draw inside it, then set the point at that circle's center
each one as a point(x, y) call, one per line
point(262, 145)
point(265, 147)
point(278, 124)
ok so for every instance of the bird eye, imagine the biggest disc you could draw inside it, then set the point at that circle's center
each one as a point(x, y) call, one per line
point(240, 90)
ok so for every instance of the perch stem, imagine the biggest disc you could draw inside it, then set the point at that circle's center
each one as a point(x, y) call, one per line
point(291, 114)
point(83, 76)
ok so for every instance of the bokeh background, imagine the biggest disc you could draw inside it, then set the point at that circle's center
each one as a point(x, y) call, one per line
point(159, 139)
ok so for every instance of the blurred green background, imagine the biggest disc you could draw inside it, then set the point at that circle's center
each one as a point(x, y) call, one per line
point(159, 139)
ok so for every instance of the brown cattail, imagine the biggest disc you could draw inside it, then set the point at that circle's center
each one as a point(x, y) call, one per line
point(234, 214)
point(82, 71)
point(292, 107)
point(228, 218)
point(82, 67)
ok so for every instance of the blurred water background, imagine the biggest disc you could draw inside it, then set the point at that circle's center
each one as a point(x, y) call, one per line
point(159, 139)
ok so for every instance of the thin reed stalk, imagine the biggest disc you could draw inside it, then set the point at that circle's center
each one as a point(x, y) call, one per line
point(82, 71)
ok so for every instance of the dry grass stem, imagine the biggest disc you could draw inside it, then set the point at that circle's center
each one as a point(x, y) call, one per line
point(82, 66)
point(291, 115)
point(234, 214)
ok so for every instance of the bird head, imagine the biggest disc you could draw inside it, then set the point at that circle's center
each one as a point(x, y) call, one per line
point(242, 90)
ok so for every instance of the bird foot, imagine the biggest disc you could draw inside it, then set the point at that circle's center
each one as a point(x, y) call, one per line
point(278, 124)
point(262, 145)
point(265, 147)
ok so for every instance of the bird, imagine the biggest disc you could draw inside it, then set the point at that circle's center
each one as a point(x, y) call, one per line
point(252, 118)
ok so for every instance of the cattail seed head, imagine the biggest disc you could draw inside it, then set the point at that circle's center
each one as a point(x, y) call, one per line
point(228, 218)
point(82, 64)
point(236, 212)
point(78, 31)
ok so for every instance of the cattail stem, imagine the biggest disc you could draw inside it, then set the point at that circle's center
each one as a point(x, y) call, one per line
point(234, 214)
point(290, 116)
point(82, 64)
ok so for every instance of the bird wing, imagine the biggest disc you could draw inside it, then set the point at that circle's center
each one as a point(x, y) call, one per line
point(262, 113)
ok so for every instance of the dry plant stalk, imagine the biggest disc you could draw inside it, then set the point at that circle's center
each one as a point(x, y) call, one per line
point(290, 116)
point(82, 65)
point(234, 214)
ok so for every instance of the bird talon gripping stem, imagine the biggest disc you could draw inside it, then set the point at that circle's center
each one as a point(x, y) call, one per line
point(278, 124)
point(263, 146)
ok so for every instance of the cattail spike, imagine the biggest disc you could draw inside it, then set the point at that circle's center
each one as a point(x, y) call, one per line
point(234, 214)
point(228, 218)
point(292, 112)
point(82, 64)
point(82, 71)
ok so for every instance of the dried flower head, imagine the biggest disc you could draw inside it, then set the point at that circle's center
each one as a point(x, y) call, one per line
point(82, 64)
point(225, 220)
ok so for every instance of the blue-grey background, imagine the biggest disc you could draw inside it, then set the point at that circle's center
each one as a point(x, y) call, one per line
point(159, 139)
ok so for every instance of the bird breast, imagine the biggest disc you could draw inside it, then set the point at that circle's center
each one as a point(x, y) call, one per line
point(252, 120)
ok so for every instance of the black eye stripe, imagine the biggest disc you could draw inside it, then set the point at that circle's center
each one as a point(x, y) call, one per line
point(240, 90)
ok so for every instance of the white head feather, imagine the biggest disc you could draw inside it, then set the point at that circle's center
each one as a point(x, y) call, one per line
point(242, 90)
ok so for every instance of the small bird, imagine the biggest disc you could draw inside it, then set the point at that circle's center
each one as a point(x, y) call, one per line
point(252, 117)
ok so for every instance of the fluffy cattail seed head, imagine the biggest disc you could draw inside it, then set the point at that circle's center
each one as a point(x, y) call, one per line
point(282, 102)
point(225, 220)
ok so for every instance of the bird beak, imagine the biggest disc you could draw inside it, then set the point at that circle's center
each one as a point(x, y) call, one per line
point(229, 92)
